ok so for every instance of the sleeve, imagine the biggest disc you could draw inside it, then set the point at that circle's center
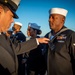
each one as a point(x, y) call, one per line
point(72, 51)
point(72, 45)
point(26, 46)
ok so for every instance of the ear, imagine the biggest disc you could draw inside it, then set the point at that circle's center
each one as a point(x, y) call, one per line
point(63, 19)
point(1, 9)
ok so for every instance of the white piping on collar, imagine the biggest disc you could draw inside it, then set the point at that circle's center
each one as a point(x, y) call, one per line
point(0, 33)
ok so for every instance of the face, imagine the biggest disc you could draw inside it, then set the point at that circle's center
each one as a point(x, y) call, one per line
point(30, 31)
point(56, 22)
point(16, 27)
point(6, 18)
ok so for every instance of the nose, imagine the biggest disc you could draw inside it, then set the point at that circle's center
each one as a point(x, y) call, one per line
point(50, 19)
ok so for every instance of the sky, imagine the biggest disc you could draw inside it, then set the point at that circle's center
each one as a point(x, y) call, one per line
point(37, 11)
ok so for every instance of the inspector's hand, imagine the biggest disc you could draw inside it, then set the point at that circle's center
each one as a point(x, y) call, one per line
point(42, 40)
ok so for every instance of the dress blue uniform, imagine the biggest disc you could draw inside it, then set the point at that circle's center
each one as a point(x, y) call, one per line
point(61, 58)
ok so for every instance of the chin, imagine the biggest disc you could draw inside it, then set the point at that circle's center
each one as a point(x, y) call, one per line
point(51, 28)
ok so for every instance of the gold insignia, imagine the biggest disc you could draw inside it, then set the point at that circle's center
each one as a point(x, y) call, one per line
point(6, 1)
point(59, 37)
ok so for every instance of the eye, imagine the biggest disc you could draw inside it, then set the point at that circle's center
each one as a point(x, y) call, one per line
point(52, 17)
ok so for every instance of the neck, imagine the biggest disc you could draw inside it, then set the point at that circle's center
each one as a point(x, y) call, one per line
point(33, 36)
point(57, 30)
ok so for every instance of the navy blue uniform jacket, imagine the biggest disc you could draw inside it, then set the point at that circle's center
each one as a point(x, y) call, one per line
point(61, 60)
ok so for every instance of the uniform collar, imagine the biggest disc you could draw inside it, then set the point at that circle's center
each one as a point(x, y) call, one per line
point(52, 32)
point(0, 33)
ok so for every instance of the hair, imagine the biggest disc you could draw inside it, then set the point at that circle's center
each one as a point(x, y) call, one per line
point(38, 31)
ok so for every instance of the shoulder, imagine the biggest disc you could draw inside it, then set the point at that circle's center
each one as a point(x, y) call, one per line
point(20, 34)
point(69, 31)
point(47, 35)
point(38, 36)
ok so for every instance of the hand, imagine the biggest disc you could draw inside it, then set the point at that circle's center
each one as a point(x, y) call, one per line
point(43, 40)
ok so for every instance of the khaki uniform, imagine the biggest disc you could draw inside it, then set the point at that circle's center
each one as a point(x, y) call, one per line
point(8, 54)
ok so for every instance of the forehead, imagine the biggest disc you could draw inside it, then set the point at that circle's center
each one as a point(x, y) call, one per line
point(5, 8)
point(30, 29)
point(56, 15)
point(16, 25)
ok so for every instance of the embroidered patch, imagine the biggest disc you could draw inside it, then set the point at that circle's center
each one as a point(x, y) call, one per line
point(61, 37)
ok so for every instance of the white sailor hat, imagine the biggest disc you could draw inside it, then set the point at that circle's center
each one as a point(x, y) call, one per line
point(12, 5)
point(34, 25)
point(18, 23)
point(60, 11)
